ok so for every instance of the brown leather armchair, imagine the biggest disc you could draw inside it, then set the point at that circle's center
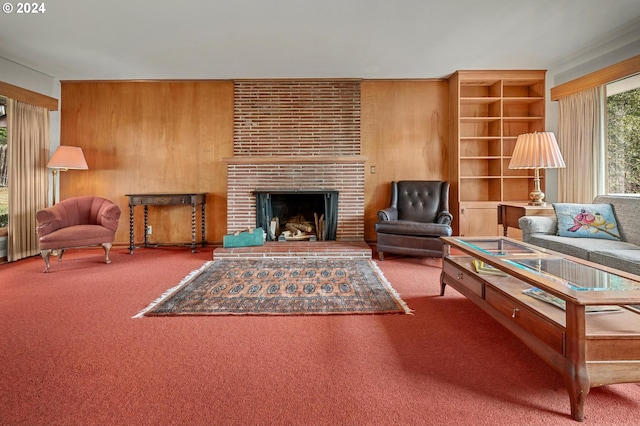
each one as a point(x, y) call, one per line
point(417, 217)
point(77, 222)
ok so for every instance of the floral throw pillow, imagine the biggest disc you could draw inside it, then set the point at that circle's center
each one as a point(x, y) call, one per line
point(587, 221)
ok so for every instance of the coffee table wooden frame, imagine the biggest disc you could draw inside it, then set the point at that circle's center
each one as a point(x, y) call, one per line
point(588, 349)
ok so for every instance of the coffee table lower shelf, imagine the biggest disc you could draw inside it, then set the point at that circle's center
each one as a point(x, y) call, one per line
point(589, 350)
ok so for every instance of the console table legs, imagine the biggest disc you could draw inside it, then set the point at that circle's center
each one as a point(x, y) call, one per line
point(147, 200)
point(193, 228)
point(202, 224)
point(131, 229)
point(146, 225)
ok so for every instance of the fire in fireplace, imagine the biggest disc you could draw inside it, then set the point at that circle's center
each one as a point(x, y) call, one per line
point(288, 215)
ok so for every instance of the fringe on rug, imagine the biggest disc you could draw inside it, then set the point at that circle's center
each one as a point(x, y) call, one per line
point(172, 290)
point(387, 284)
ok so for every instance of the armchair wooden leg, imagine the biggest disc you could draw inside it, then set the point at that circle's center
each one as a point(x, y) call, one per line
point(107, 250)
point(380, 255)
point(45, 255)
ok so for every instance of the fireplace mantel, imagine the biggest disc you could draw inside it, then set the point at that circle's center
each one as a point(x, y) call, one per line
point(301, 191)
point(295, 159)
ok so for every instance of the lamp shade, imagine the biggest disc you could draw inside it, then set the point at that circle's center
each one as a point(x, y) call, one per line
point(537, 150)
point(68, 157)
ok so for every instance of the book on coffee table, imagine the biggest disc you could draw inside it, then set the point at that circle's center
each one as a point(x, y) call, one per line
point(556, 301)
point(483, 268)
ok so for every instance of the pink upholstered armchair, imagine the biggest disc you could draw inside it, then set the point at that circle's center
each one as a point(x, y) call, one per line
point(77, 222)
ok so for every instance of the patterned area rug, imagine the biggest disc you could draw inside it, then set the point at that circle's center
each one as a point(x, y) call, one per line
point(281, 287)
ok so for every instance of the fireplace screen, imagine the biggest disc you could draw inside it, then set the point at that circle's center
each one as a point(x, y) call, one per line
point(297, 215)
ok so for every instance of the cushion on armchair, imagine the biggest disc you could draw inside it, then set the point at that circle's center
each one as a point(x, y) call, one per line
point(407, 227)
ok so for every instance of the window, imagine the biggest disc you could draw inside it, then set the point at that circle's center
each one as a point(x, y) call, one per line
point(623, 139)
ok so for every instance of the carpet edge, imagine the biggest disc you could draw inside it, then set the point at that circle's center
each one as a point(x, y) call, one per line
point(168, 293)
point(385, 282)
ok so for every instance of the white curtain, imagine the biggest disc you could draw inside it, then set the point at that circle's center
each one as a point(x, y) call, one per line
point(28, 146)
point(581, 140)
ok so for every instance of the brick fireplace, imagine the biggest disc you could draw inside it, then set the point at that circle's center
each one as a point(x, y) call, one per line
point(297, 135)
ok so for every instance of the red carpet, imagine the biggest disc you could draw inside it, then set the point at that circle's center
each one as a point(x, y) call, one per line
point(72, 355)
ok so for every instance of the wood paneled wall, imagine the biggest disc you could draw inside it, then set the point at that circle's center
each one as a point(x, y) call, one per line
point(404, 136)
point(172, 136)
point(139, 137)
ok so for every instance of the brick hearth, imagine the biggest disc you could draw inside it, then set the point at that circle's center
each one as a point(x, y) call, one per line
point(297, 249)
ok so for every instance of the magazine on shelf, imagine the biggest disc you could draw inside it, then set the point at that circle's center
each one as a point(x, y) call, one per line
point(556, 301)
point(483, 268)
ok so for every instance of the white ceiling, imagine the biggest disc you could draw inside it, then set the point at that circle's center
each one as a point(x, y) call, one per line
point(211, 39)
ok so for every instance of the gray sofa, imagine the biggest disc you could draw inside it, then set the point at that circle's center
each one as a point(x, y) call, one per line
point(623, 255)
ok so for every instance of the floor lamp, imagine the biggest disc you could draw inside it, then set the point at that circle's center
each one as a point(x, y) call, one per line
point(63, 159)
point(538, 150)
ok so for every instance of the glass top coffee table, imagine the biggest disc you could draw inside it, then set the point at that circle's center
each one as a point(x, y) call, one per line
point(582, 318)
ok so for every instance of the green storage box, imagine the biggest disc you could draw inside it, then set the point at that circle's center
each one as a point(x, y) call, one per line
point(250, 237)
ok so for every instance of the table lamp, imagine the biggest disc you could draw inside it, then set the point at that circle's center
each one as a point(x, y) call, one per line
point(538, 150)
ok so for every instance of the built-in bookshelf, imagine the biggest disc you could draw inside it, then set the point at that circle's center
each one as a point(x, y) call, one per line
point(489, 109)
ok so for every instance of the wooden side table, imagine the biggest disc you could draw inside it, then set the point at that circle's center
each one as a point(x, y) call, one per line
point(146, 200)
point(509, 213)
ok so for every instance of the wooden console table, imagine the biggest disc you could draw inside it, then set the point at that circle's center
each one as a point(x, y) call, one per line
point(509, 213)
point(588, 326)
point(147, 200)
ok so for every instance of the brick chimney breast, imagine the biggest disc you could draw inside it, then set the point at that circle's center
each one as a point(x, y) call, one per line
point(297, 135)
